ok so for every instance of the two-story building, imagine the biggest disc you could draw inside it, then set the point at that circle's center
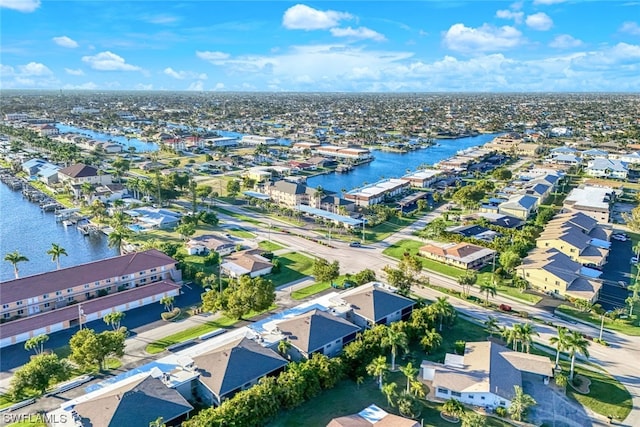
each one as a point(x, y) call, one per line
point(80, 173)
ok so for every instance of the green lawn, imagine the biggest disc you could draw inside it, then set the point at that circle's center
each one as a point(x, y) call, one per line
point(243, 234)
point(387, 228)
point(239, 216)
point(623, 326)
point(31, 421)
point(515, 293)
point(269, 246)
point(190, 333)
point(293, 266)
point(316, 288)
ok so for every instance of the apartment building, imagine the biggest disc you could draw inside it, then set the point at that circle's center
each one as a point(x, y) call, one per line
point(593, 201)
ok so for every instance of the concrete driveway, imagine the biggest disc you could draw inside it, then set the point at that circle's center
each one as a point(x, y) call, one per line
point(553, 408)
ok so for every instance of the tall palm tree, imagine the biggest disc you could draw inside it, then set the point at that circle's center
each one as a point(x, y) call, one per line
point(56, 252)
point(377, 368)
point(488, 289)
point(410, 372)
point(520, 403)
point(396, 339)
point(560, 341)
point(442, 309)
point(492, 325)
point(389, 390)
point(577, 344)
point(527, 331)
point(511, 336)
point(117, 238)
point(430, 340)
point(14, 258)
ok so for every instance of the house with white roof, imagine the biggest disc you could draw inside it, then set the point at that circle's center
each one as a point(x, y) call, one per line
point(375, 193)
point(606, 168)
point(593, 201)
point(423, 178)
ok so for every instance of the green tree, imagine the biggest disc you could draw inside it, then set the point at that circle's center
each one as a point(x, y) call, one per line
point(560, 341)
point(233, 187)
point(453, 408)
point(430, 340)
point(167, 301)
point(502, 174)
point(576, 344)
point(377, 368)
point(242, 296)
point(473, 419)
point(398, 279)
point(14, 258)
point(488, 289)
point(186, 230)
point(520, 403)
point(466, 281)
point(89, 349)
point(117, 238)
point(509, 260)
point(323, 271)
point(365, 276)
point(492, 325)
point(56, 252)
point(114, 319)
point(396, 339)
point(389, 390)
point(38, 374)
point(527, 331)
point(36, 343)
point(443, 310)
point(410, 373)
point(283, 348)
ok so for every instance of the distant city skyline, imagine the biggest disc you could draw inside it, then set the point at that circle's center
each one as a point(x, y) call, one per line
point(322, 46)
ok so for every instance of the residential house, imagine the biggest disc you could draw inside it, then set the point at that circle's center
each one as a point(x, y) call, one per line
point(142, 400)
point(148, 217)
point(423, 178)
point(474, 231)
point(317, 331)
point(258, 140)
point(43, 170)
point(565, 160)
point(595, 202)
point(550, 270)
point(605, 168)
point(45, 303)
point(373, 194)
point(344, 152)
point(485, 375)
point(80, 173)
point(521, 206)
point(463, 255)
point(232, 367)
point(247, 262)
point(376, 303)
point(47, 130)
point(501, 220)
point(207, 243)
point(372, 416)
point(594, 153)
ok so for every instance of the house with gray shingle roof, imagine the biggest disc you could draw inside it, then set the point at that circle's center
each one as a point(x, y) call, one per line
point(485, 375)
point(317, 332)
point(521, 206)
point(376, 303)
point(605, 168)
point(233, 367)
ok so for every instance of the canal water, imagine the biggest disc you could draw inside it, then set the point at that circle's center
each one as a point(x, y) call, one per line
point(140, 146)
point(393, 165)
point(28, 230)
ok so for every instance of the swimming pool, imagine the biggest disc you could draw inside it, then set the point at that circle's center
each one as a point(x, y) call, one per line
point(137, 228)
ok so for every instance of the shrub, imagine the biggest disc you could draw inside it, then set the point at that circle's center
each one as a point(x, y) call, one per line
point(577, 381)
point(524, 314)
point(171, 314)
point(501, 411)
point(459, 346)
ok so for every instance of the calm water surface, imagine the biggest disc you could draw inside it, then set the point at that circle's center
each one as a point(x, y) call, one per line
point(25, 228)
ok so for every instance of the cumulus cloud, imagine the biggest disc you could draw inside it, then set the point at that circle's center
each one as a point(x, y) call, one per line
point(34, 69)
point(565, 41)
point(73, 72)
point(547, 2)
point(302, 17)
point(28, 76)
point(539, 21)
point(213, 57)
point(181, 75)
point(357, 33)
point(196, 86)
point(510, 14)
point(65, 41)
point(630, 27)
point(219, 86)
point(83, 86)
point(24, 6)
point(482, 39)
point(109, 61)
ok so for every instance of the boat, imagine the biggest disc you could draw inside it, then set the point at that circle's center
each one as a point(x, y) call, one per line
point(67, 223)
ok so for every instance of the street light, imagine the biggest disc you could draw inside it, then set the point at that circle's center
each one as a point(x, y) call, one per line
point(601, 326)
point(80, 314)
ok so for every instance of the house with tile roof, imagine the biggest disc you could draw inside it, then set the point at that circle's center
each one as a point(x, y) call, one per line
point(137, 403)
point(317, 331)
point(375, 303)
point(234, 366)
point(463, 255)
point(210, 243)
point(80, 173)
point(373, 416)
point(485, 375)
point(247, 262)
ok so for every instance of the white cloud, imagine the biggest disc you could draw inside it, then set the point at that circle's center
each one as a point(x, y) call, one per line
point(34, 69)
point(83, 86)
point(510, 14)
point(65, 41)
point(547, 2)
point(160, 19)
point(219, 86)
point(212, 57)
point(539, 21)
point(109, 61)
point(565, 41)
point(483, 39)
point(630, 27)
point(142, 86)
point(196, 86)
point(181, 75)
point(73, 72)
point(302, 17)
point(357, 33)
point(25, 6)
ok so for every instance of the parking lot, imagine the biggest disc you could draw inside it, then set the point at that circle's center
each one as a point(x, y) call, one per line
point(617, 269)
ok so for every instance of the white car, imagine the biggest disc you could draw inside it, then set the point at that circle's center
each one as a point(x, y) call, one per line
point(634, 260)
point(619, 237)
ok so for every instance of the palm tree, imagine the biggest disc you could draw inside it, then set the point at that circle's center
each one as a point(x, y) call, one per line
point(389, 390)
point(492, 325)
point(527, 331)
point(410, 372)
point(377, 368)
point(114, 319)
point(576, 344)
point(395, 338)
point(511, 335)
point(167, 302)
point(56, 251)
point(473, 419)
point(453, 408)
point(488, 289)
point(36, 343)
point(560, 342)
point(520, 403)
point(117, 238)
point(443, 309)
point(14, 258)
point(283, 347)
point(430, 340)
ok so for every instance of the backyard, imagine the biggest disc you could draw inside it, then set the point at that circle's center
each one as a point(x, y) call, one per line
point(293, 266)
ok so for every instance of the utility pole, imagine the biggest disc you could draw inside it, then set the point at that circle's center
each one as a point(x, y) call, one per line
point(601, 326)
point(363, 221)
point(80, 314)
point(220, 274)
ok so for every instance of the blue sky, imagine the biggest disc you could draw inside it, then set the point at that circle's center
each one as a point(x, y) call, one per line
point(348, 46)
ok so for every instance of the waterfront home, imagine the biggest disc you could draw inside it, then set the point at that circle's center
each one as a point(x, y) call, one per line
point(149, 217)
point(463, 255)
point(234, 366)
point(247, 262)
point(375, 303)
point(594, 153)
point(258, 140)
point(485, 375)
point(317, 331)
point(80, 173)
point(47, 130)
point(372, 416)
point(221, 142)
point(140, 399)
point(423, 178)
point(633, 158)
point(373, 194)
point(593, 201)
point(207, 243)
point(344, 152)
point(44, 303)
point(550, 270)
point(565, 160)
point(606, 168)
point(109, 192)
point(302, 145)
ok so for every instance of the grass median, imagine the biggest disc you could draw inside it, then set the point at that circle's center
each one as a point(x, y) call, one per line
point(188, 334)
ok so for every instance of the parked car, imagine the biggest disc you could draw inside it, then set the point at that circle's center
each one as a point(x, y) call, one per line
point(355, 244)
point(634, 260)
point(505, 307)
point(619, 237)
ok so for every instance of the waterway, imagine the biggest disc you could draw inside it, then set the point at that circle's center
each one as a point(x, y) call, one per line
point(28, 230)
point(140, 146)
point(389, 164)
